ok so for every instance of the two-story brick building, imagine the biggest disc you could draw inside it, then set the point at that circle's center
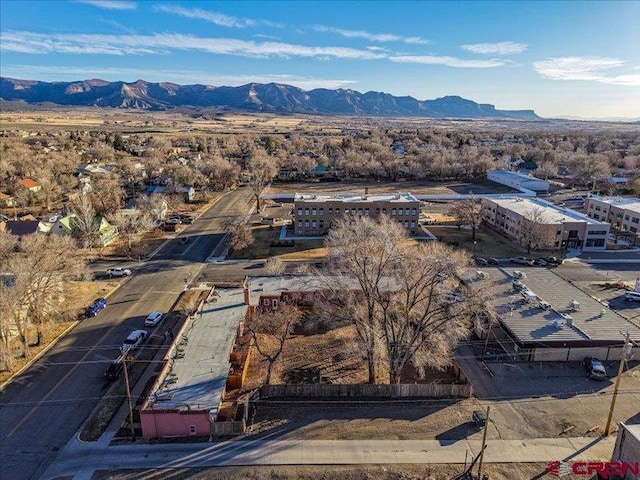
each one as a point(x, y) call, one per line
point(315, 214)
point(562, 227)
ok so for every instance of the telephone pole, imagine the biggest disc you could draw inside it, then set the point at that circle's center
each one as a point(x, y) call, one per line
point(484, 444)
point(125, 358)
point(617, 384)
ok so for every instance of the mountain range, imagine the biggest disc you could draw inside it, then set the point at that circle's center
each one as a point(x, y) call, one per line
point(254, 97)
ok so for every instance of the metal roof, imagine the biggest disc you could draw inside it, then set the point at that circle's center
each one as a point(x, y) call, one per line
point(530, 324)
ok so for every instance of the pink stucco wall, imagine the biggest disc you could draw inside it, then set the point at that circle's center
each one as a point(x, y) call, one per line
point(173, 423)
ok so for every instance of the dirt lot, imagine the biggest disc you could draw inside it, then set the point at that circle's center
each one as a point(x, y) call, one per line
point(359, 472)
point(417, 188)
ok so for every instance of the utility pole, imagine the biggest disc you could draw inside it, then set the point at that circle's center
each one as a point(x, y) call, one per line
point(484, 442)
point(125, 358)
point(617, 384)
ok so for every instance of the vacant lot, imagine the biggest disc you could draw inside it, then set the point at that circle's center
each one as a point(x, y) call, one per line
point(487, 244)
point(262, 247)
point(415, 187)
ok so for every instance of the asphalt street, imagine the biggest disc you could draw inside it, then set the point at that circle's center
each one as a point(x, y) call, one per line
point(44, 407)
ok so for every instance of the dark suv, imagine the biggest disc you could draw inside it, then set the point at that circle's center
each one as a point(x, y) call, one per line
point(97, 305)
point(113, 371)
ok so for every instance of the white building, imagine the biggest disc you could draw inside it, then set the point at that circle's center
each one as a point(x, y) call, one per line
point(622, 213)
point(561, 227)
point(518, 180)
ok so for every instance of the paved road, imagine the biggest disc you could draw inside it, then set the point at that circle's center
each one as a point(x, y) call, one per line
point(85, 459)
point(43, 408)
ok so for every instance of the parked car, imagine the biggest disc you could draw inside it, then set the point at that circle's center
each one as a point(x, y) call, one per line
point(113, 370)
point(153, 319)
point(97, 305)
point(134, 340)
point(493, 261)
point(522, 260)
point(594, 368)
point(553, 260)
point(174, 221)
point(632, 296)
point(479, 418)
point(118, 272)
point(540, 262)
point(481, 262)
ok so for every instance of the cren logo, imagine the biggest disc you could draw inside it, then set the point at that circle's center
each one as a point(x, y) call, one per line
point(558, 469)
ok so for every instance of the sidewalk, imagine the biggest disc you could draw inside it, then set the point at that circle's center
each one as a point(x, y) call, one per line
point(81, 459)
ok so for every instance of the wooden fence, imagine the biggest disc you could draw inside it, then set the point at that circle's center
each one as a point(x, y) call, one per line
point(361, 391)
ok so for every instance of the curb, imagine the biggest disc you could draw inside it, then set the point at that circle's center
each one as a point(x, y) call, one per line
point(52, 344)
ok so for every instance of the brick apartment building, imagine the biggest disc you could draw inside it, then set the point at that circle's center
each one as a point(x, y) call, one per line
point(315, 214)
point(622, 213)
point(563, 228)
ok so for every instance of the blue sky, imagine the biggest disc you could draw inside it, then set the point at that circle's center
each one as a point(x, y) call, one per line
point(558, 58)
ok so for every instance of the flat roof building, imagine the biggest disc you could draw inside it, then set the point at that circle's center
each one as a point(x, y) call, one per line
point(517, 180)
point(185, 399)
point(549, 319)
point(555, 227)
point(315, 214)
point(622, 213)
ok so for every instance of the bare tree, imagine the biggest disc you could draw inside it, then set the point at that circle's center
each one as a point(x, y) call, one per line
point(83, 222)
point(260, 171)
point(132, 225)
point(270, 330)
point(590, 169)
point(362, 251)
point(275, 266)
point(38, 272)
point(426, 311)
point(239, 234)
point(468, 211)
point(106, 193)
point(532, 232)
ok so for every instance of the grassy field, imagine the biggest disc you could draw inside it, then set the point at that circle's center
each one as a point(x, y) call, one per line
point(261, 247)
point(488, 243)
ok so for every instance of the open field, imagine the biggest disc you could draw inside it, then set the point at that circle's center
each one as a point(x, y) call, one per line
point(352, 472)
point(415, 187)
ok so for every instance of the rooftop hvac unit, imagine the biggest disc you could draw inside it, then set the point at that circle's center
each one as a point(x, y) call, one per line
point(558, 323)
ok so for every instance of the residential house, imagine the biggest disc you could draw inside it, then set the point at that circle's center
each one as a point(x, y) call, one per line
point(30, 185)
point(6, 200)
point(106, 232)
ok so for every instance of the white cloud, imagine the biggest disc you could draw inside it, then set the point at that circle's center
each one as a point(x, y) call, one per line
point(213, 17)
point(217, 18)
point(37, 43)
point(111, 4)
point(447, 61)
point(372, 37)
point(499, 48)
point(594, 69)
point(58, 73)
